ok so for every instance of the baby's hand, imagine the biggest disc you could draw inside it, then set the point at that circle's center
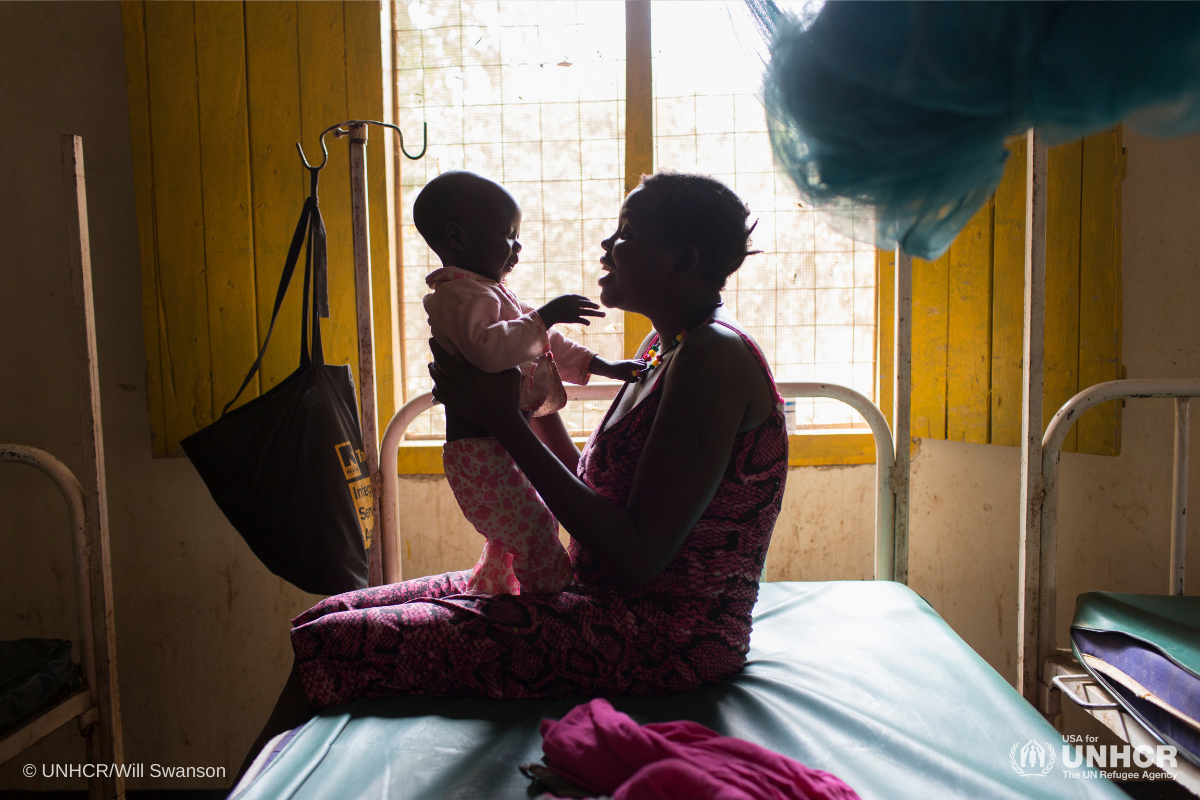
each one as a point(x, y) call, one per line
point(629, 371)
point(571, 309)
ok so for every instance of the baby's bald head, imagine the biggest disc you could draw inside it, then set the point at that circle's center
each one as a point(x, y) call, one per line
point(459, 197)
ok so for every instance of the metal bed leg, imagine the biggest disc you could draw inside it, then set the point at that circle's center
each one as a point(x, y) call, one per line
point(1179, 483)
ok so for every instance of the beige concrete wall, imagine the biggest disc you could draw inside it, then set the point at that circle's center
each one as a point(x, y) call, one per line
point(202, 627)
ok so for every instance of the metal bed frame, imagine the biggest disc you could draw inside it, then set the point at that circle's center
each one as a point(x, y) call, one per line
point(95, 707)
point(890, 550)
point(1044, 670)
point(83, 705)
point(1058, 667)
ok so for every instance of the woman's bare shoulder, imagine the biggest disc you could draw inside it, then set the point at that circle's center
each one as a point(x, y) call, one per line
point(725, 341)
point(720, 362)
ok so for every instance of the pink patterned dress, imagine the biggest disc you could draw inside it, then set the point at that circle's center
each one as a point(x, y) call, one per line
point(688, 627)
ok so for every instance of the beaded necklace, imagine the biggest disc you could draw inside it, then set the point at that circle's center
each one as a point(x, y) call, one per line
point(656, 353)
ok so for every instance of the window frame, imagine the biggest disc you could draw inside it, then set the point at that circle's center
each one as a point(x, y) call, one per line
point(811, 448)
point(967, 305)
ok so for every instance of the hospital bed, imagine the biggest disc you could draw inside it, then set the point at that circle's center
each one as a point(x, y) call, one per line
point(83, 704)
point(1134, 660)
point(861, 679)
point(1113, 637)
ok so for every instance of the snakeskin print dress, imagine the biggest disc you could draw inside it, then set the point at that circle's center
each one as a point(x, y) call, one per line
point(688, 627)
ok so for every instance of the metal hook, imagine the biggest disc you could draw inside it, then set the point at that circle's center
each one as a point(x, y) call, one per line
point(324, 149)
point(424, 141)
point(424, 134)
point(339, 132)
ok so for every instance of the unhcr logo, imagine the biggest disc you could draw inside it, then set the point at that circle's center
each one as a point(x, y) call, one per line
point(1036, 759)
point(1033, 759)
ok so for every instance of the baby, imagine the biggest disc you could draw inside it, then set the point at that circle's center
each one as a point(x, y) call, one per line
point(473, 225)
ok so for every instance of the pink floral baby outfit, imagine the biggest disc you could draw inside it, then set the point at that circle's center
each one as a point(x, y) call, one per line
point(495, 331)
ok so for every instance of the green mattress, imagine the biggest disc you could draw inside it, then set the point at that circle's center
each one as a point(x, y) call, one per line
point(861, 679)
point(1145, 651)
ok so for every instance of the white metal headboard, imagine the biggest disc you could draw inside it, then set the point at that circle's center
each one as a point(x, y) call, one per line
point(886, 556)
point(1046, 511)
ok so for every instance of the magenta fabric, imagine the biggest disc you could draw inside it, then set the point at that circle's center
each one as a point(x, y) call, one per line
point(606, 752)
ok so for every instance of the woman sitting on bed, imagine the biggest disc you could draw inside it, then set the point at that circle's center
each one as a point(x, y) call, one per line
point(670, 506)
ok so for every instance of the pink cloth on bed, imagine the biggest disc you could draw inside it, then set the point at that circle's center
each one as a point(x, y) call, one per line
point(605, 751)
point(495, 331)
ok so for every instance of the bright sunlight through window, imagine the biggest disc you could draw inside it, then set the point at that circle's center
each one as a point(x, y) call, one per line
point(532, 94)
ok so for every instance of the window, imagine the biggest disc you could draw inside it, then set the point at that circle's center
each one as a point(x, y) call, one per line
point(533, 94)
point(809, 298)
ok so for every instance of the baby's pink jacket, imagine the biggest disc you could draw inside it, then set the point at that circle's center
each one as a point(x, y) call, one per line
point(495, 331)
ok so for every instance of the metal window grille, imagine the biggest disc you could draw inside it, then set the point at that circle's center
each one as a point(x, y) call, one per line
point(809, 299)
point(530, 94)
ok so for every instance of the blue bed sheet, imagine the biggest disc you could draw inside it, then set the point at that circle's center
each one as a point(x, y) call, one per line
point(861, 679)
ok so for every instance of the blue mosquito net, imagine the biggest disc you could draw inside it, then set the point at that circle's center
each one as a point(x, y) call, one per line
point(892, 116)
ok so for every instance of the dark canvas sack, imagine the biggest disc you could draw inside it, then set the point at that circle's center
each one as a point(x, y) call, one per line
point(287, 468)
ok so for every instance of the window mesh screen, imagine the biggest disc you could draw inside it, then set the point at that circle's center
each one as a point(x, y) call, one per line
point(809, 299)
point(530, 94)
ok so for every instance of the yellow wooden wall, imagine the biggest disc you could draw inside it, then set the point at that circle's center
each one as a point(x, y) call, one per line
point(219, 92)
point(968, 307)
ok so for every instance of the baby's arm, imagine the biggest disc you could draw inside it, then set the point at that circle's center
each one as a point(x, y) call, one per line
point(572, 358)
point(626, 370)
point(493, 344)
point(576, 362)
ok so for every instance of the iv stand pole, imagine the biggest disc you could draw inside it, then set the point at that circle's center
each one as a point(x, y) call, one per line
point(360, 225)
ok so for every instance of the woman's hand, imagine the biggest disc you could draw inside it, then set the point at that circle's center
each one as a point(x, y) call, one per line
point(489, 400)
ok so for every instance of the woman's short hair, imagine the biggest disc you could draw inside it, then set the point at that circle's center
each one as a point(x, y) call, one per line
point(701, 211)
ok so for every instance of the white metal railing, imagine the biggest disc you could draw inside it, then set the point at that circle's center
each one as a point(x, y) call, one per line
point(82, 704)
point(1181, 389)
point(886, 555)
point(886, 546)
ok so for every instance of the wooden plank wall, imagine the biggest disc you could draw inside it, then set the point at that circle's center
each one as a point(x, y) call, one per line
point(968, 307)
point(219, 92)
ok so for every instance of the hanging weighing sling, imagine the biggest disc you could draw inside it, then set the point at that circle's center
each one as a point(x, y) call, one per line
point(287, 468)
